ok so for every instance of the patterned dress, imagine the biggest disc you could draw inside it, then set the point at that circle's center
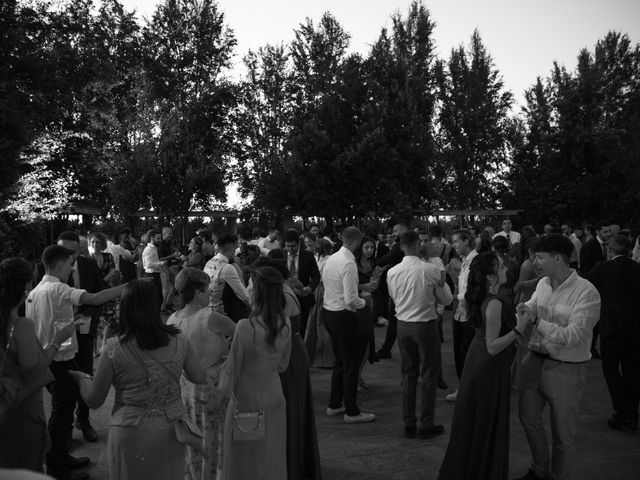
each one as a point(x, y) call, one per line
point(206, 405)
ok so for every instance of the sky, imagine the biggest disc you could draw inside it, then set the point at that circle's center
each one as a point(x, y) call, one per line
point(524, 37)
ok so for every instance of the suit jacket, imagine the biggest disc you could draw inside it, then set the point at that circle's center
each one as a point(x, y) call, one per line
point(590, 256)
point(618, 282)
point(90, 280)
point(381, 250)
point(308, 274)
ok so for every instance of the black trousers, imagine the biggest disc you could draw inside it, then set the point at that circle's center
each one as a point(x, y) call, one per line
point(348, 349)
point(621, 368)
point(463, 333)
point(84, 361)
point(392, 329)
point(64, 396)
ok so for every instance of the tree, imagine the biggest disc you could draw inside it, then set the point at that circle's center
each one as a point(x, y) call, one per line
point(472, 134)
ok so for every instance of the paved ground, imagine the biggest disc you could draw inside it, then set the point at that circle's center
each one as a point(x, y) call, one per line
point(379, 451)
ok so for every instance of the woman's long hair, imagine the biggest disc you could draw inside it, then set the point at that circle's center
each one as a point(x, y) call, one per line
point(485, 263)
point(140, 317)
point(15, 273)
point(269, 301)
point(359, 254)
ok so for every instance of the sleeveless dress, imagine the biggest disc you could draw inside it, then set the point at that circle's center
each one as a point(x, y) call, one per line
point(479, 442)
point(206, 405)
point(303, 457)
point(142, 441)
point(254, 367)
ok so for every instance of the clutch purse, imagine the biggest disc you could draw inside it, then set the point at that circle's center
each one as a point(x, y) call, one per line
point(188, 433)
point(248, 426)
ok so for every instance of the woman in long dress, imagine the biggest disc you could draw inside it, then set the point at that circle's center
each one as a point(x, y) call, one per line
point(206, 405)
point(260, 351)
point(24, 437)
point(144, 365)
point(479, 442)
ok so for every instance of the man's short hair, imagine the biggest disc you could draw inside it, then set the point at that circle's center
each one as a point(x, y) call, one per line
point(351, 234)
point(621, 245)
point(554, 244)
point(225, 239)
point(500, 244)
point(599, 226)
point(152, 233)
point(69, 236)
point(409, 238)
point(55, 254)
point(465, 235)
point(292, 235)
point(256, 232)
point(435, 231)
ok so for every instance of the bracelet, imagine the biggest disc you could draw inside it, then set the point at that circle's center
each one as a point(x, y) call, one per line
point(86, 376)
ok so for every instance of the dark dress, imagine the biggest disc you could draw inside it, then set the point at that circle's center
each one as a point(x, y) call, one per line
point(303, 458)
point(479, 443)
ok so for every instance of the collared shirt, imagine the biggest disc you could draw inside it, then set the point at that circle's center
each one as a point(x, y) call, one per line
point(340, 278)
point(222, 273)
point(513, 237)
point(413, 287)
point(50, 304)
point(461, 311)
point(150, 260)
point(118, 251)
point(292, 263)
point(577, 245)
point(567, 317)
point(268, 244)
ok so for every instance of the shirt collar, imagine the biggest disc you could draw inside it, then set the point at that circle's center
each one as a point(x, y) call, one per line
point(567, 281)
point(222, 257)
point(347, 253)
point(50, 278)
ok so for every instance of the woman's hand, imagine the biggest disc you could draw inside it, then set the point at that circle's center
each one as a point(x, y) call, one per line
point(77, 375)
point(64, 333)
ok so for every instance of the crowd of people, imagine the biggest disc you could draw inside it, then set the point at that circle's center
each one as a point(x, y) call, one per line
point(218, 387)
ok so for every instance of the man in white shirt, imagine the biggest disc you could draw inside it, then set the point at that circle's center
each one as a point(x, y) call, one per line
point(414, 287)
point(463, 331)
point(223, 273)
point(512, 236)
point(341, 300)
point(270, 242)
point(567, 231)
point(51, 305)
point(563, 311)
point(152, 265)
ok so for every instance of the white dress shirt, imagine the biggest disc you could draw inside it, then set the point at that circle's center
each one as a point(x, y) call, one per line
point(340, 278)
point(118, 251)
point(413, 287)
point(150, 260)
point(513, 237)
point(221, 273)
point(461, 311)
point(567, 317)
point(50, 304)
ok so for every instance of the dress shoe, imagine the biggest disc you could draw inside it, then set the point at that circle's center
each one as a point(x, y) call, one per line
point(530, 475)
point(442, 385)
point(432, 431)
point(452, 397)
point(386, 354)
point(332, 412)
point(72, 462)
point(87, 430)
point(595, 353)
point(410, 431)
point(360, 418)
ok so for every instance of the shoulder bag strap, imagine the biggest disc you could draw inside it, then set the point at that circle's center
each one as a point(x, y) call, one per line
point(6, 350)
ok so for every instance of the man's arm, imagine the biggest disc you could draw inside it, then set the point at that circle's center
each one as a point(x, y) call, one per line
point(101, 297)
point(230, 275)
point(350, 287)
point(315, 273)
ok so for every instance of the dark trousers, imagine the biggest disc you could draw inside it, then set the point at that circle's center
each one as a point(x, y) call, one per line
point(419, 344)
point(621, 368)
point(348, 349)
point(463, 333)
point(594, 339)
point(64, 395)
point(392, 329)
point(84, 361)
point(157, 282)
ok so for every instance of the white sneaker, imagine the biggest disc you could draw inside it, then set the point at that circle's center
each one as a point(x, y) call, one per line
point(361, 418)
point(332, 412)
point(452, 397)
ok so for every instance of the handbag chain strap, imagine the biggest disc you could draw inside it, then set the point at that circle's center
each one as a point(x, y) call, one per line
point(6, 350)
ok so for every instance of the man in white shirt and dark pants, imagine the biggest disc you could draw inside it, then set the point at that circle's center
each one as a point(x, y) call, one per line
point(341, 300)
point(563, 311)
point(415, 291)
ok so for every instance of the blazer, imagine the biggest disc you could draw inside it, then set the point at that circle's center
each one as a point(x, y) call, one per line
point(618, 282)
point(308, 272)
point(590, 256)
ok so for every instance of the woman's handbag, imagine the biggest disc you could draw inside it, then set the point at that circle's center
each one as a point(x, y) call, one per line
point(188, 433)
point(247, 426)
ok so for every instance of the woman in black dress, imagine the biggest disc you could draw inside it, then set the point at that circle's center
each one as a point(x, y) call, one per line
point(479, 443)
